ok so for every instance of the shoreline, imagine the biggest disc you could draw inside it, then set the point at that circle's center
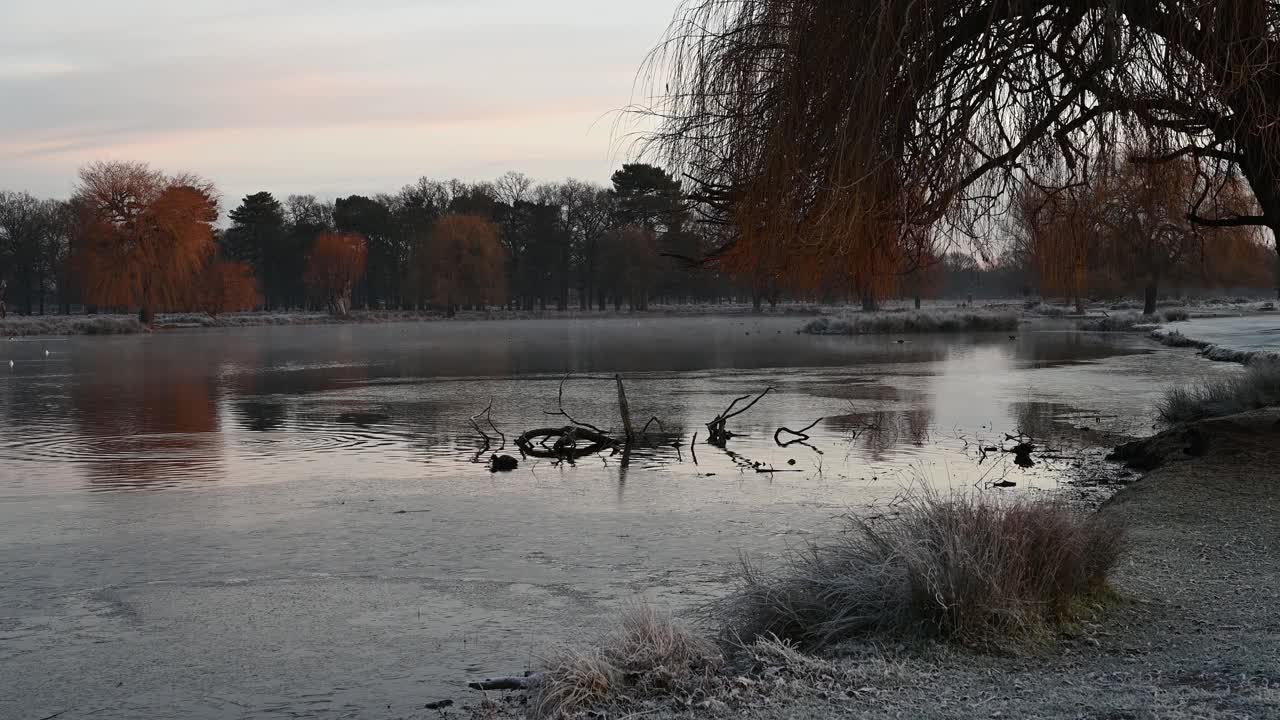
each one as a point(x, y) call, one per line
point(1192, 634)
point(895, 317)
point(75, 325)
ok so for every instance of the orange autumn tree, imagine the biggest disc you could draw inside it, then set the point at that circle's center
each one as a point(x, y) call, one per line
point(336, 264)
point(463, 263)
point(225, 286)
point(142, 236)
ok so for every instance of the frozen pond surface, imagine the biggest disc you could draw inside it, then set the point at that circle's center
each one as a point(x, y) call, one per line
point(1249, 333)
point(287, 522)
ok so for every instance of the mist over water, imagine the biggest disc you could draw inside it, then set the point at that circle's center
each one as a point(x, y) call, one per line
point(272, 520)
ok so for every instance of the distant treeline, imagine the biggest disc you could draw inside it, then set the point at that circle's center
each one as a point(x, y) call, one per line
point(134, 238)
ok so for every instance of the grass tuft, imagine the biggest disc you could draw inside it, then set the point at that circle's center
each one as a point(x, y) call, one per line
point(24, 326)
point(913, 322)
point(1257, 387)
point(962, 568)
point(648, 654)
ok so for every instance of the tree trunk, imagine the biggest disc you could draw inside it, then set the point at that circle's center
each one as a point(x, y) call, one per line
point(868, 302)
point(1149, 299)
point(146, 316)
point(757, 302)
point(917, 302)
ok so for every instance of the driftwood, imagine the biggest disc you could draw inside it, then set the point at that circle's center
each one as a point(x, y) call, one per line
point(580, 439)
point(519, 682)
point(717, 433)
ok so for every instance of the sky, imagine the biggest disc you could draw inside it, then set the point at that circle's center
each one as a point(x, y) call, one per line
point(330, 97)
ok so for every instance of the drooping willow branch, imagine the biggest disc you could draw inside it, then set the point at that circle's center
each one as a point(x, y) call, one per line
point(822, 131)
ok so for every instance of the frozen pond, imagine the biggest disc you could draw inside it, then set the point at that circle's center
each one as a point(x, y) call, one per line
point(1248, 333)
point(288, 522)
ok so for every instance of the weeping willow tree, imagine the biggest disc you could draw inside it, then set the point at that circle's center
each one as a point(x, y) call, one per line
point(825, 131)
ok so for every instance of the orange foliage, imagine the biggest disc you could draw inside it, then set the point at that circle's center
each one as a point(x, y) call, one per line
point(1235, 258)
point(226, 287)
point(336, 264)
point(1127, 230)
point(1061, 238)
point(463, 262)
point(143, 236)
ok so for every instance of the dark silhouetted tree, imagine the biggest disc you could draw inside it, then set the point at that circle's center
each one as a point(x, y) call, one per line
point(258, 236)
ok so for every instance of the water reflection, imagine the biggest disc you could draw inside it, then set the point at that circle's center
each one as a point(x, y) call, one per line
point(260, 416)
point(880, 431)
point(140, 421)
point(274, 404)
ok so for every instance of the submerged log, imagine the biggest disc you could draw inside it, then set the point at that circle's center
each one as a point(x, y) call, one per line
point(518, 682)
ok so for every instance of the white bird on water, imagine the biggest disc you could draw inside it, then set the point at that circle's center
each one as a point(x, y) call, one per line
point(46, 352)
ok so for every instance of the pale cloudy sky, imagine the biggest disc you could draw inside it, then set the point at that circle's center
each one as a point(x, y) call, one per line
point(323, 96)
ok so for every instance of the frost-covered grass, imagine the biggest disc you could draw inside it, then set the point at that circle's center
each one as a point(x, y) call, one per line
point(253, 319)
point(913, 322)
point(647, 654)
point(1174, 338)
point(22, 326)
point(1124, 322)
point(1257, 387)
point(1050, 311)
point(963, 568)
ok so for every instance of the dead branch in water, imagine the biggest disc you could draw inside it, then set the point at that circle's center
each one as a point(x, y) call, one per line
point(718, 434)
point(487, 414)
point(623, 408)
point(570, 442)
point(645, 430)
point(800, 436)
point(561, 411)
